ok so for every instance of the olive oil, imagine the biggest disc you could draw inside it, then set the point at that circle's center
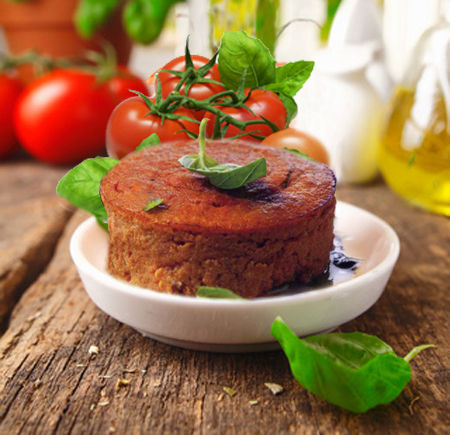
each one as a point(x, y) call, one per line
point(414, 154)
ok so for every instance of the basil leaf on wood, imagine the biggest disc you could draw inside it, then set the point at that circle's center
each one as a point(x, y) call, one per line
point(80, 186)
point(216, 293)
point(290, 78)
point(225, 175)
point(239, 52)
point(90, 15)
point(353, 370)
point(149, 141)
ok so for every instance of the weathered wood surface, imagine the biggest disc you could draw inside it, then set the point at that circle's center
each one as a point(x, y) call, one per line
point(31, 221)
point(48, 382)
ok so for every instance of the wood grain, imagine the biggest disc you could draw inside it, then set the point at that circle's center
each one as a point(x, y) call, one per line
point(50, 384)
point(31, 221)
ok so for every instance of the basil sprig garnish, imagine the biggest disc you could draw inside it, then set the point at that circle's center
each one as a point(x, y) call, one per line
point(81, 185)
point(355, 371)
point(225, 175)
point(239, 52)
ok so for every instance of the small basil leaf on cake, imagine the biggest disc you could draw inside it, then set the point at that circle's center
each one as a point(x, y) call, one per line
point(216, 293)
point(355, 371)
point(80, 186)
point(150, 141)
point(153, 203)
point(292, 150)
point(226, 175)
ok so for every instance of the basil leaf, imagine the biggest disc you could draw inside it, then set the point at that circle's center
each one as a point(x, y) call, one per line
point(290, 78)
point(227, 176)
point(149, 141)
point(291, 107)
point(291, 150)
point(153, 203)
point(353, 370)
point(81, 185)
point(216, 293)
point(90, 15)
point(239, 52)
point(223, 176)
point(193, 162)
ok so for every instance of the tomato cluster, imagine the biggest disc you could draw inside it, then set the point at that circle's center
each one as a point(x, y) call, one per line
point(61, 117)
point(132, 115)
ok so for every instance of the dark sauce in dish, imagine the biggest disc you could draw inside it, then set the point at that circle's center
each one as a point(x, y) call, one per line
point(341, 268)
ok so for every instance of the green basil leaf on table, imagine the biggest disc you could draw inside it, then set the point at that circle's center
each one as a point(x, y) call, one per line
point(80, 186)
point(216, 293)
point(290, 78)
point(226, 175)
point(239, 52)
point(90, 15)
point(355, 371)
point(149, 141)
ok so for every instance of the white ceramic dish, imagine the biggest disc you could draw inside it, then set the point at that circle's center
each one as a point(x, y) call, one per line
point(242, 326)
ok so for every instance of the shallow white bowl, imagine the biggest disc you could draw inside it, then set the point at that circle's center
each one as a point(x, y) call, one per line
point(242, 325)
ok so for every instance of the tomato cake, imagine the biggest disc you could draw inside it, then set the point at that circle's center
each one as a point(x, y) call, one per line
point(271, 231)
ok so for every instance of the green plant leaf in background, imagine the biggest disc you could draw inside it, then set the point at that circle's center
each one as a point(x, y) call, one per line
point(90, 15)
point(353, 370)
point(239, 52)
point(268, 22)
point(81, 185)
point(216, 293)
point(332, 7)
point(144, 19)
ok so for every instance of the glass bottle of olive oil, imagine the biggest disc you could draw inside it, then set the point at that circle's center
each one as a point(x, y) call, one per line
point(414, 154)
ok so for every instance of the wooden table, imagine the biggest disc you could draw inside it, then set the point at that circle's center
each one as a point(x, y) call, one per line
point(49, 382)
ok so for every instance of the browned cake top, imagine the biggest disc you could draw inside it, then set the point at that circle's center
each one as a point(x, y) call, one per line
point(294, 188)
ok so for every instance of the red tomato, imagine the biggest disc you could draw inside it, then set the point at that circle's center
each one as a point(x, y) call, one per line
point(61, 118)
point(292, 138)
point(10, 89)
point(199, 91)
point(125, 81)
point(130, 124)
point(263, 103)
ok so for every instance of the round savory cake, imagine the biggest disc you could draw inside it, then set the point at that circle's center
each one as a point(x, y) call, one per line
point(271, 231)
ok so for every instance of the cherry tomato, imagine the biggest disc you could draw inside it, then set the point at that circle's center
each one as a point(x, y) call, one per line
point(263, 103)
point(10, 89)
point(292, 138)
point(199, 91)
point(130, 124)
point(61, 118)
point(121, 85)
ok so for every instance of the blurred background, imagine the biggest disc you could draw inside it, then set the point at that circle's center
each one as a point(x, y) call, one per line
point(378, 98)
